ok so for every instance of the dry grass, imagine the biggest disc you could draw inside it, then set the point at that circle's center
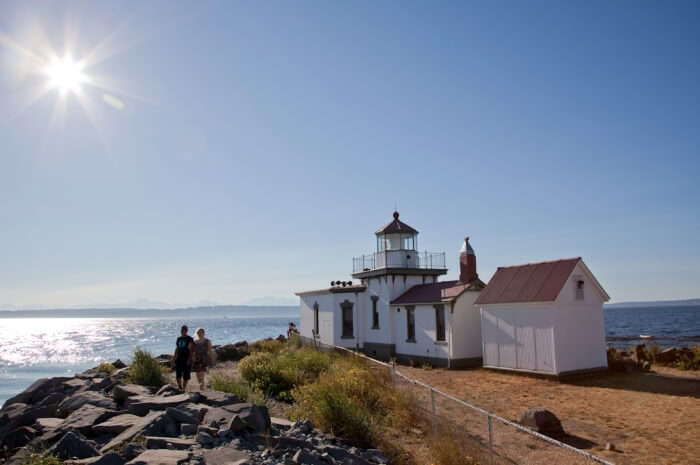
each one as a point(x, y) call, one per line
point(652, 418)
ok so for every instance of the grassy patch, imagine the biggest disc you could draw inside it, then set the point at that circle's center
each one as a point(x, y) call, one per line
point(221, 381)
point(271, 346)
point(145, 369)
point(106, 368)
point(41, 459)
point(447, 448)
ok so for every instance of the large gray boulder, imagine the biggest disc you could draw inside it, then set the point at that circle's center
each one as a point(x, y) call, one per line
point(184, 415)
point(217, 416)
point(232, 352)
point(543, 421)
point(76, 384)
point(304, 457)
point(73, 445)
point(215, 398)
point(151, 424)
point(141, 405)
point(20, 414)
point(47, 424)
point(121, 392)
point(86, 417)
point(74, 402)
point(107, 459)
point(237, 424)
point(160, 457)
point(223, 456)
point(255, 416)
point(117, 424)
point(37, 391)
point(158, 442)
point(668, 356)
point(18, 437)
point(168, 390)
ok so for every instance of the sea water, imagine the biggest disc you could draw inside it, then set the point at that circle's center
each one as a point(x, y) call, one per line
point(33, 348)
point(39, 344)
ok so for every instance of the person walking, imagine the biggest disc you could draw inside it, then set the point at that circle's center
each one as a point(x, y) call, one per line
point(202, 356)
point(182, 358)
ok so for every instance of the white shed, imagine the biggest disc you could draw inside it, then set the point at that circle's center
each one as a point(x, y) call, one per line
point(544, 318)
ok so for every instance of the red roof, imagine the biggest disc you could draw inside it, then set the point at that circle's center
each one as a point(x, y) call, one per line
point(534, 282)
point(445, 291)
point(396, 226)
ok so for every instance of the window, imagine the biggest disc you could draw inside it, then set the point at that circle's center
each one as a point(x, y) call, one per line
point(410, 324)
point(440, 322)
point(375, 313)
point(346, 308)
point(579, 289)
point(315, 318)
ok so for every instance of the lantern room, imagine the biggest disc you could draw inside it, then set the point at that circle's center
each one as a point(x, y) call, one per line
point(397, 236)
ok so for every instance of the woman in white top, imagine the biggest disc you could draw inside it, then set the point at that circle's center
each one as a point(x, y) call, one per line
point(201, 356)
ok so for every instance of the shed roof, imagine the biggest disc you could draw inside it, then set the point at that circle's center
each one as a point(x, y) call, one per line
point(396, 226)
point(445, 291)
point(533, 282)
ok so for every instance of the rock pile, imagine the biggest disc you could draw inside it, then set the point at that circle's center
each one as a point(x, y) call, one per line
point(97, 419)
point(639, 358)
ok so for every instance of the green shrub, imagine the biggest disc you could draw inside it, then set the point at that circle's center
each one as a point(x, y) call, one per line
point(106, 368)
point(271, 346)
point(295, 342)
point(653, 351)
point(691, 361)
point(351, 401)
point(275, 374)
point(145, 370)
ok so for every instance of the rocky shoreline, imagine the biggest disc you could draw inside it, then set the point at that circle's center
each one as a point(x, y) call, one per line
point(95, 418)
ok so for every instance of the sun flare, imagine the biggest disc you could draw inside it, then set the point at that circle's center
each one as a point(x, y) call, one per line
point(65, 75)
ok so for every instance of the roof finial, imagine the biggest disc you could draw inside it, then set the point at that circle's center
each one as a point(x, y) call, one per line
point(396, 215)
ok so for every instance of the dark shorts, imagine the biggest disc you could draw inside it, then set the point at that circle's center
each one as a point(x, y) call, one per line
point(182, 370)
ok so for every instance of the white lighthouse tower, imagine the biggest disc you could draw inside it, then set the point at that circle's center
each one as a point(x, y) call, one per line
point(356, 314)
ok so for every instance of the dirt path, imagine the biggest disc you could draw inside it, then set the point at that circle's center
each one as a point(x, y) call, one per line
point(652, 418)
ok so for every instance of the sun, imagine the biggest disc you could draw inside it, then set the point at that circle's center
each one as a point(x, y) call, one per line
point(65, 74)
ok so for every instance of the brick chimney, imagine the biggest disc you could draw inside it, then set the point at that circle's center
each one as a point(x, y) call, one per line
point(467, 263)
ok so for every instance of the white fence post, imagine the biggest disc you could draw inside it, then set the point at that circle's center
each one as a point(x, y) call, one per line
point(432, 408)
point(490, 439)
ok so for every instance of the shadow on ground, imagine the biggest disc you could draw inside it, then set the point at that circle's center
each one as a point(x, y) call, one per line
point(577, 441)
point(642, 382)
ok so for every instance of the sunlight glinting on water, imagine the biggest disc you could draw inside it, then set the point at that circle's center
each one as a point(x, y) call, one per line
point(79, 341)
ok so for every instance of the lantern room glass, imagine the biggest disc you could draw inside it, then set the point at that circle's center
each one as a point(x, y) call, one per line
point(396, 242)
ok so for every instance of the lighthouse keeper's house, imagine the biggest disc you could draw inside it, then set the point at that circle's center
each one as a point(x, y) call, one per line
point(399, 308)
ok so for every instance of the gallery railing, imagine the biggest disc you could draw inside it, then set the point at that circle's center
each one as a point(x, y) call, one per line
point(399, 259)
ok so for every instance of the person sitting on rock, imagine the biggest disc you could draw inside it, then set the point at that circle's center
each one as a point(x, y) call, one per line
point(202, 356)
point(183, 358)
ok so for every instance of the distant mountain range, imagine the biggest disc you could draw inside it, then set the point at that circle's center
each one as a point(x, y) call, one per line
point(218, 311)
point(657, 303)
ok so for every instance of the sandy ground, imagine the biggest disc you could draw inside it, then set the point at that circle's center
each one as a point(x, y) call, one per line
point(652, 418)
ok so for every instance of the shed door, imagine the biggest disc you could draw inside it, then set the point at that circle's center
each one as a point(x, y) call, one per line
point(506, 346)
point(525, 339)
point(544, 349)
point(489, 331)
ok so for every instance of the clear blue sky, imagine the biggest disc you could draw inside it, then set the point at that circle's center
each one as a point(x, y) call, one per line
point(258, 145)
